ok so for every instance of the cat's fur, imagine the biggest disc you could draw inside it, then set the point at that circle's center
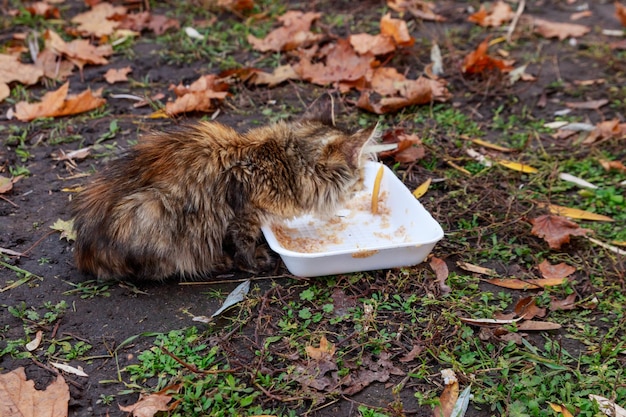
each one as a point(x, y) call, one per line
point(178, 202)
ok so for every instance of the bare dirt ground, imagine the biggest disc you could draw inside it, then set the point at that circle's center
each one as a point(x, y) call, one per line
point(116, 320)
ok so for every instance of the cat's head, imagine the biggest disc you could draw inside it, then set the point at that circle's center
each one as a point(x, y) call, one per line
point(336, 162)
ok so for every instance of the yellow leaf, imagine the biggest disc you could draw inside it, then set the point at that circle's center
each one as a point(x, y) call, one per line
point(561, 409)
point(159, 114)
point(422, 189)
point(459, 168)
point(574, 213)
point(619, 242)
point(491, 145)
point(512, 283)
point(516, 166)
point(73, 190)
point(66, 227)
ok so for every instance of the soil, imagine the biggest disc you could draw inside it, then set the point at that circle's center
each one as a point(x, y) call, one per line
point(105, 322)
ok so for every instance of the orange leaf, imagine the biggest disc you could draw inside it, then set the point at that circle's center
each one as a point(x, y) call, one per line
point(547, 282)
point(512, 283)
point(279, 75)
point(114, 75)
point(199, 96)
point(397, 29)
point(499, 14)
point(294, 33)
point(79, 51)
point(558, 271)
point(555, 230)
point(478, 61)
point(421, 9)
point(620, 12)
point(41, 8)
point(11, 69)
point(559, 30)
point(449, 396)
point(20, 398)
point(364, 43)
point(325, 351)
point(609, 165)
point(568, 303)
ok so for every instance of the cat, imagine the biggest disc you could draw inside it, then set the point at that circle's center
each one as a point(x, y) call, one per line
point(190, 202)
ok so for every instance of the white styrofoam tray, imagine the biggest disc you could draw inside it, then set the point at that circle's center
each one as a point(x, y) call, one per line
point(402, 234)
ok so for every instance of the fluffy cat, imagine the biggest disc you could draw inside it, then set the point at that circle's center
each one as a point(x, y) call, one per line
point(180, 203)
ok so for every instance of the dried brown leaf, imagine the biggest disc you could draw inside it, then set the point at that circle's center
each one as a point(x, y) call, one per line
point(160, 24)
point(326, 350)
point(53, 66)
point(397, 29)
point(98, 21)
point(568, 303)
point(58, 103)
point(531, 325)
point(364, 43)
point(499, 14)
point(148, 406)
point(42, 8)
point(449, 396)
point(116, 75)
point(562, 31)
point(527, 308)
point(279, 75)
point(236, 5)
point(556, 230)
point(607, 130)
point(20, 398)
point(587, 105)
point(11, 69)
point(6, 184)
point(342, 63)
point(512, 283)
point(294, 32)
point(79, 51)
point(199, 96)
point(420, 9)
point(558, 271)
point(609, 165)
point(441, 271)
point(412, 354)
point(409, 149)
point(477, 61)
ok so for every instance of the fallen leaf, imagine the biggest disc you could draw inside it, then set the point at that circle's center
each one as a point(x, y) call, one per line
point(236, 296)
point(449, 396)
point(499, 14)
point(6, 184)
point(98, 21)
point(81, 153)
point(58, 103)
point(34, 344)
point(574, 213)
point(79, 51)
point(294, 32)
point(409, 147)
point(325, 351)
point(512, 283)
point(364, 43)
point(607, 246)
point(548, 282)
point(491, 145)
point(66, 227)
point(568, 303)
point(531, 325)
point(516, 166)
point(478, 62)
point(558, 271)
point(397, 29)
point(608, 407)
point(620, 12)
point(556, 230)
point(606, 130)
point(53, 66)
point(42, 8)
point(489, 322)
point(441, 271)
point(148, 406)
point(562, 31)
point(609, 165)
point(11, 69)
point(199, 96)
point(160, 24)
point(406, 92)
point(278, 76)
point(341, 63)
point(115, 75)
point(581, 15)
point(412, 354)
point(236, 5)
point(561, 409)
point(587, 105)
point(420, 9)
point(69, 369)
point(20, 398)
point(422, 188)
point(528, 309)
point(475, 268)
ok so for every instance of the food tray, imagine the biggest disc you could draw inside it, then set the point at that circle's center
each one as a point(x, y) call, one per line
point(402, 233)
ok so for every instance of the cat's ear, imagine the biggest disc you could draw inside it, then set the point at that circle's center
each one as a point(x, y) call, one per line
point(356, 148)
point(321, 110)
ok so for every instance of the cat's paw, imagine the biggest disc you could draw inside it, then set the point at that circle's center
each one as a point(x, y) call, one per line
point(264, 258)
point(260, 260)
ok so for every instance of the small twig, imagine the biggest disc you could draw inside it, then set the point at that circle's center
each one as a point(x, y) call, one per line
point(9, 201)
point(25, 253)
point(518, 14)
